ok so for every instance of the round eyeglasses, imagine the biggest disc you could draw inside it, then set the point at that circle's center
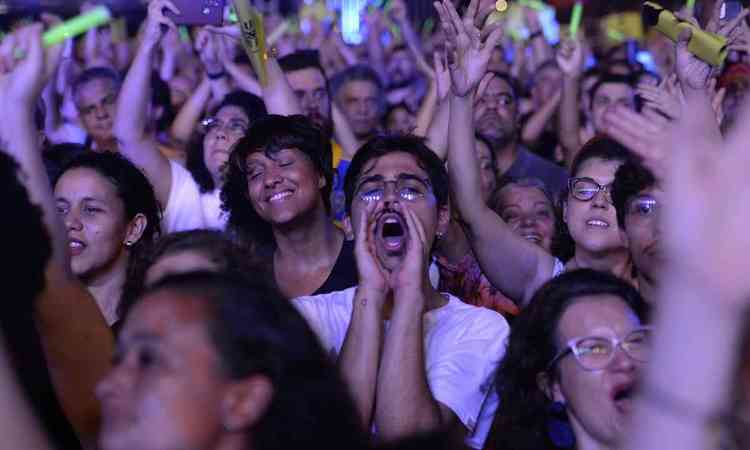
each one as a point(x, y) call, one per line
point(408, 188)
point(585, 189)
point(597, 352)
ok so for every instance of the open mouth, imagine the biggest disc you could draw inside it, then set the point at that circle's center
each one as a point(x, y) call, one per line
point(76, 247)
point(392, 232)
point(597, 223)
point(280, 196)
point(622, 397)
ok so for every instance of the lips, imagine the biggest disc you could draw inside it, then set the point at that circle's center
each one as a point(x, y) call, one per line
point(535, 238)
point(279, 196)
point(597, 223)
point(76, 247)
point(622, 397)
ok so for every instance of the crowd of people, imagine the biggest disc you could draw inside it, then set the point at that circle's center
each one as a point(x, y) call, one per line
point(442, 237)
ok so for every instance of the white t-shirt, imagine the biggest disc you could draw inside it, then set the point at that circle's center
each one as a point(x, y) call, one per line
point(463, 345)
point(187, 208)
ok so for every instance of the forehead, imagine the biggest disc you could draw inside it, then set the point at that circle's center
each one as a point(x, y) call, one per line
point(614, 90)
point(497, 86)
point(95, 88)
point(230, 112)
point(596, 315)
point(259, 156)
point(179, 262)
point(515, 194)
point(603, 171)
point(360, 88)
point(392, 165)
point(83, 182)
point(166, 314)
point(307, 78)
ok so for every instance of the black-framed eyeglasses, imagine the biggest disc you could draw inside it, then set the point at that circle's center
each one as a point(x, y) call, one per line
point(408, 187)
point(585, 189)
point(237, 127)
point(597, 352)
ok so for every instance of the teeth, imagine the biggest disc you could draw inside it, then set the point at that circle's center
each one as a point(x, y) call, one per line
point(532, 237)
point(597, 223)
point(75, 244)
point(391, 220)
point(279, 196)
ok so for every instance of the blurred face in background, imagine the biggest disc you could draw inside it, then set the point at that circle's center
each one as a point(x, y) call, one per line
point(309, 84)
point(360, 102)
point(96, 102)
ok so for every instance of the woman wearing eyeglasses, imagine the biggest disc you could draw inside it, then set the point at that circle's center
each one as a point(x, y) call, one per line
point(574, 356)
point(190, 198)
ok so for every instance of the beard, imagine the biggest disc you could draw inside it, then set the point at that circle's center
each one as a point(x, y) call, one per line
point(492, 128)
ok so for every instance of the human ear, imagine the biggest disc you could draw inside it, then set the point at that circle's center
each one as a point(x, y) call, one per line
point(246, 402)
point(135, 230)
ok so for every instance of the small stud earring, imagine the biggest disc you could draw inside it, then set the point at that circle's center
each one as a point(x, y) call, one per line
point(128, 243)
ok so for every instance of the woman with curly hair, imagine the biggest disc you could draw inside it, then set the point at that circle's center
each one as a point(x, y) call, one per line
point(277, 193)
point(573, 358)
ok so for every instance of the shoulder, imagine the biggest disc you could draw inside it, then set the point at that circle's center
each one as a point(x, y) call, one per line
point(468, 322)
point(325, 305)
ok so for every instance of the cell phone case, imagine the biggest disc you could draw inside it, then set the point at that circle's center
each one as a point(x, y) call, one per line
point(198, 12)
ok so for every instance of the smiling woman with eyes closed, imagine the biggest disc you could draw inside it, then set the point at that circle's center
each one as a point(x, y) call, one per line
point(277, 194)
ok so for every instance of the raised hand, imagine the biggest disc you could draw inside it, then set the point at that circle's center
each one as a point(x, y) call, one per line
point(23, 67)
point(707, 205)
point(646, 135)
point(666, 98)
point(411, 274)
point(372, 275)
point(468, 48)
point(570, 59)
point(152, 32)
point(693, 73)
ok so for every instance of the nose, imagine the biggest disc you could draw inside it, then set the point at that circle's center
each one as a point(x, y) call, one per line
point(72, 221)
point(271, 177)
point(102, 113)
point(601, 199)
point(528, 221)
point(115, 382)
point(390, 192)
point(621, 361)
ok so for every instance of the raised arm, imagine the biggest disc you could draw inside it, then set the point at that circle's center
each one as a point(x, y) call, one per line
point(343, 133)
point(538, 121)
point(76, 340)
point(570, 60)
point(511, 263)
point(137, 141)
point(190, 114)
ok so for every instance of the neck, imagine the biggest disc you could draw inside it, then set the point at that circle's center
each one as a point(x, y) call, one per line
point(309, 237)
point(106, 287)
point(432, 298)
point(584, 441)
point(104, 145)
point(616, 261)
point(505, 156)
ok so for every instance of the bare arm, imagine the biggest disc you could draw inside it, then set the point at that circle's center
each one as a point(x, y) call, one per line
point(375, 51)
point(184, 124)
point(77, 351)
point(514, 265)
point(570, 60)
point(131, 128)
point(538, 121)
point(405, 404)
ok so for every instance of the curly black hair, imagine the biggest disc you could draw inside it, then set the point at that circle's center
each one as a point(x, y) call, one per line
point(631, 178)
point(522, 420)
point(270, 135)
point(195, 163)
point(256, 332)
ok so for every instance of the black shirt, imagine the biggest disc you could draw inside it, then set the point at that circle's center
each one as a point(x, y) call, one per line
point(344, 273)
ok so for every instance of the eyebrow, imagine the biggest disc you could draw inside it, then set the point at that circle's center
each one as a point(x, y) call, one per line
point(400, 177)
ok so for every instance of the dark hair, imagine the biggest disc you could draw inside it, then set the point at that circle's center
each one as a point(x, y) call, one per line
point(515, 87)
point(133, 189)
point(254, 109)
point(393, 108)
point(600, 147)
point(96, 73)
point(160, 98)
point(610, 78)
point(256, 332)
point(359, 72)
point(228, 257)
point(302, 59)
point(30, 248)
point(631, 179)
point(413, 145)
point(548, 64)
point(269, 136)
point(522, 421)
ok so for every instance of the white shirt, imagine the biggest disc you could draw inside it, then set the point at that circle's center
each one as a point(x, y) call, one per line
point(463, 345)
point(187, 208)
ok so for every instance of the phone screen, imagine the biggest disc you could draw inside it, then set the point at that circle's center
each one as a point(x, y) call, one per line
point(730, 9)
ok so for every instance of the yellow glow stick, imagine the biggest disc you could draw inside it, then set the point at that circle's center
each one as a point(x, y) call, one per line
point(253, 37)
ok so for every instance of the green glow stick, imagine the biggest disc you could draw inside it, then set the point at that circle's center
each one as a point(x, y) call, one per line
point(575, 19)
point(533, 4)
point(77, 26)
point(690, 5)
point(72, 28)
